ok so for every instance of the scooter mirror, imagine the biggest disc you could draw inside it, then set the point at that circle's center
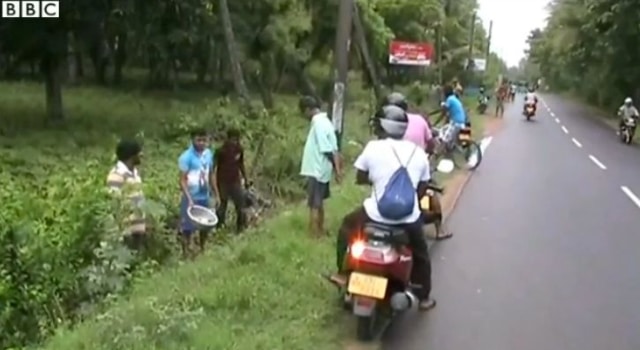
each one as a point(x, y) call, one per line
point(445, 166)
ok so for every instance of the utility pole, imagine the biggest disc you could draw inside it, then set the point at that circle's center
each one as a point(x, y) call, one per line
point(341, 66)
point(439, 53)
point(488, 51)
point(446, 8)
point(472, 33)
point(367, 62)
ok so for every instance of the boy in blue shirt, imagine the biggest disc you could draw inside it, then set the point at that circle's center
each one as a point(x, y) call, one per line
point(197, 181)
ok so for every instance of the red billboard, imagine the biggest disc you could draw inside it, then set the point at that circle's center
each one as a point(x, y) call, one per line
point(410, 54)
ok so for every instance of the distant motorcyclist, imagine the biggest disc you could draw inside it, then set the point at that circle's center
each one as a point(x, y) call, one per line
point(531, 99)
point(483, 100)
point(482, 95)
point(627, 110)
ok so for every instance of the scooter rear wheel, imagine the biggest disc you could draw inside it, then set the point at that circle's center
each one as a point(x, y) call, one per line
point(625, 136)
point(366, 327)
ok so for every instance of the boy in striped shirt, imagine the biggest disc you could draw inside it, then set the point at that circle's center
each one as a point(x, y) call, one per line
point(124, 180)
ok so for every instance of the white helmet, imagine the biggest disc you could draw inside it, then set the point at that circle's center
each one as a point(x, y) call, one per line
point(628, 101)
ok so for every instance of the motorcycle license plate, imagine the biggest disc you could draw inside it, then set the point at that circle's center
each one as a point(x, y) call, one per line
point(464, 137)
point(367, 285)
point(425, 203)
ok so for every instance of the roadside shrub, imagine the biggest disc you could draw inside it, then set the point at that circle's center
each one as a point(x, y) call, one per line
point(60, 250)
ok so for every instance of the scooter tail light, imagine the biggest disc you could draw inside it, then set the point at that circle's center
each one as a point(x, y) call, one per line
point(359, 250)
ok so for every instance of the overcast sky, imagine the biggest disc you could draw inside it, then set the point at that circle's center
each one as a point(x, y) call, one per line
point(512, 22)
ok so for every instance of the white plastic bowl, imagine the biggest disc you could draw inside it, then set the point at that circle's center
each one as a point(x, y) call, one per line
point(203, 216)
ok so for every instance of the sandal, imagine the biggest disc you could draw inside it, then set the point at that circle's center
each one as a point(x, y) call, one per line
point(338, 279)
point(427, 304)
point(443, 236)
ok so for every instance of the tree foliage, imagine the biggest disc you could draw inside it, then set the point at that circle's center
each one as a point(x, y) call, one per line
point(589, 47)
point(274, 40)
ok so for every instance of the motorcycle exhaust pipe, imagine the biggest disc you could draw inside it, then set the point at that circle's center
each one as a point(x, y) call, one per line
point(402, 301)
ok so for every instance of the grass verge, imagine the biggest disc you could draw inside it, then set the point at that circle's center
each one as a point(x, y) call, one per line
point(261, 292)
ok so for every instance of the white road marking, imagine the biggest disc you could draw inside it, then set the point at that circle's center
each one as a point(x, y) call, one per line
point(566, 131)
point(597, 162)
point(557, 120)
point(552, 114)
point(483, 147)
point(576, 142)
point(485, 143)
point(631, 195)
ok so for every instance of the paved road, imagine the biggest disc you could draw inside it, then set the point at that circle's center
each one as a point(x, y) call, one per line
point(546, 254)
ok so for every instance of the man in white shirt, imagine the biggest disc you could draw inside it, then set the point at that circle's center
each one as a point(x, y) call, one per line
point(627, 110)
point(531, 98)
point(376, 166)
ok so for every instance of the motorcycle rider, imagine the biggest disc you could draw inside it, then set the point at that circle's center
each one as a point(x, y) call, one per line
point(627, 110)
point(482, 97)
point(419, 132)
point(530, 99)
point(375, 167)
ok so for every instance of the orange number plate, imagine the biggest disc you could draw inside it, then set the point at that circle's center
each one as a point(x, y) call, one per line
point(425, 202)
point(367, 285)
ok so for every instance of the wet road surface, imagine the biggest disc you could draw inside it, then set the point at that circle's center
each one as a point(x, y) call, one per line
point(547, 247)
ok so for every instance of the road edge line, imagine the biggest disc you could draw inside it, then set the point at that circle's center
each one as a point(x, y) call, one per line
point(484, 144)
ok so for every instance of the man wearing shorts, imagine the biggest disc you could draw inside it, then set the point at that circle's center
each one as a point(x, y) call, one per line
point(197, 180)
point(319, 159)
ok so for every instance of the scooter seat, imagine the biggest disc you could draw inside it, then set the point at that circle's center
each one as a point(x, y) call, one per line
point(388, 233)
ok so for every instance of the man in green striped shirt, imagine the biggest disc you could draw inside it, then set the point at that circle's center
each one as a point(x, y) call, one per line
point(124, 180)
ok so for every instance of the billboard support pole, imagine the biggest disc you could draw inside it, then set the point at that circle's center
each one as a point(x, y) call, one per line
point(488, 51)
point(361, 40)
point(341, 66)
point(472, 34)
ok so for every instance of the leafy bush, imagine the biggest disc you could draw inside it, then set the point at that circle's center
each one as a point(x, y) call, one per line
point(60, 253)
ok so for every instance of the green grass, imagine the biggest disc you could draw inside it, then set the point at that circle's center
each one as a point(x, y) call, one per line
point(263, 291)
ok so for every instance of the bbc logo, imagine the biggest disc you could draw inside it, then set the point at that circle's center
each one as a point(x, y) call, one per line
point(30, 9)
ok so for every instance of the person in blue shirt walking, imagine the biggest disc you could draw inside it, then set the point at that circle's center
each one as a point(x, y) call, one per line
point(198, 185)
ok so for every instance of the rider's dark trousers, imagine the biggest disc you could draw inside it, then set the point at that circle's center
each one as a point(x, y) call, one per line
point(421, 273)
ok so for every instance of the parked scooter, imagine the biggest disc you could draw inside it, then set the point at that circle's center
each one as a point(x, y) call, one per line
point(379, 263)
